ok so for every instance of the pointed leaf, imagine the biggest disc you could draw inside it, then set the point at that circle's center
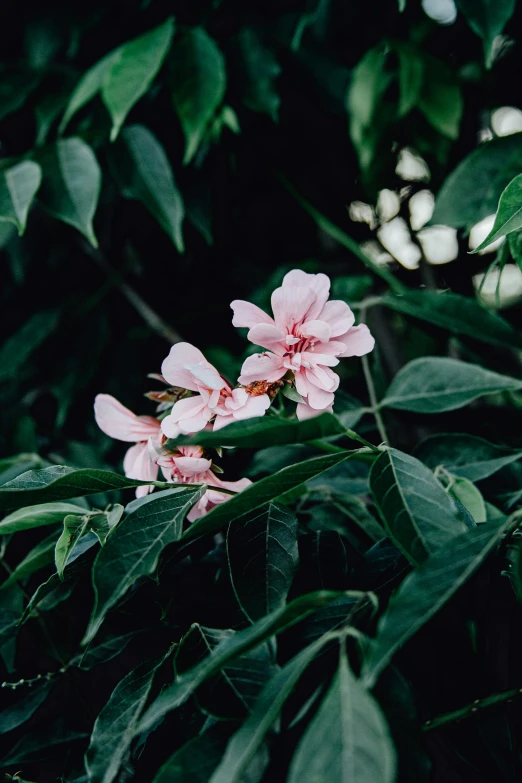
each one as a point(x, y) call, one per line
point(133, 548)
point(88, 86)
point(114, 727)
point(37, 516)
point(348, 739)
point(248, 739)
point(509, 213)
point(418, 514)
point(487, 18)
point(71, 184)
point(17, 349)
point(18, 187)
point(195, 761)
point(259, 71)
point(105, 651)
point(465, 455)
point(470, 497)
point(198, 86)
point(133, 70)
point(74, 527)
point(428, 588)
point(232, 648)
point(263, 558)
point(434, 384)
point(39, 556)
point(144, 173)
point(19, 713)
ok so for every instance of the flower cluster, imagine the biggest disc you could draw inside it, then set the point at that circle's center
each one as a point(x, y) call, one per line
point(306, 337)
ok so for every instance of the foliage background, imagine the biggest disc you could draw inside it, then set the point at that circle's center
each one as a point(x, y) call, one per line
point(73, 325)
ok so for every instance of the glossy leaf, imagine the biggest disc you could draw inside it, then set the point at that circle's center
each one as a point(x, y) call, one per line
point(509, 214)
point(60, 483)
point(267, 431)
point(247, 740)
point(37, 516)
point(348, 739)
point(434, 384)
point(18, 187)
point(132, 71)
point(427, 589)
point(198, 85)
point(465, 455)
point(263, 491)
point(472, 190)
point(487, 18)
point(263, 558)
point(88, 86)
point(71, 184)
point(471, 498)
point(19, 713)
point(74, 527)
point(115, 725)
point(17, 349)
point(232, 648)
point(417, 513)
point(133, 548)
point(144, 173)
point(457, 314)
point(39, 556)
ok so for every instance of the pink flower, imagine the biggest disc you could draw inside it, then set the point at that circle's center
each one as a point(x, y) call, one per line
point(307, 336)
point(188, 466)
point(118, 422)
point(186, 367)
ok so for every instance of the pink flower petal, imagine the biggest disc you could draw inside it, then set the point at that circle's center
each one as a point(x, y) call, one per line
point(301, 384)
point(206, 375)
point(268, 336)
point(304, 411)
point(262, 367)
point(319, 358)
point(322, 378)
point(255, 406)
point(192, 466)
point(358, 341)
point(222, 421)
point(318, 398)
point(247, 314)
point(185, 409)
point(196, 423)
point(318, 329)
point(291, 306)
point(137, 463)
point(174, 366)
point(320, 285)
point(338, 315)
point(170, 427)
point(118, 422)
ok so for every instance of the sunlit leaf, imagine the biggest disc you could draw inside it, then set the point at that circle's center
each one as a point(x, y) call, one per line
point(18, 187)
point(88, 86)
point(37, 516)
point(509, 213)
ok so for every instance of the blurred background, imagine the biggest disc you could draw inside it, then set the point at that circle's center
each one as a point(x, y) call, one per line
point(257, 137)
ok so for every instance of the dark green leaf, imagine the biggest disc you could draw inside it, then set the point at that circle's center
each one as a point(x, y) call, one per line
point(427, 589)
point(131, 72)
point(418, 514)
point(105, 651)
point(144, 173)
point(133, 548)
point(88, 86)
point(262, 492)
point(53, 590)
point(411, 78)
point(370, 80)
point(509, 213)
point(469, 496)
point(465, 455)
point(434, 384)
point(247, 740)
point(42, 743)
point(232, 648)
point(457, 314)
point(74, 527)
point(198, 85)
point(37, 516)
point(348, 739)
point(259, 71)
point(263, 558)
point(18, 187)
point(71, 184)
point(114, 727)
point(8, 624)
point(39, 557)
point(441, 99)
point(472, 190)
point(196, 760)
point(487, 18)
point(18, 348)
point(15, 88)
point(19, 713)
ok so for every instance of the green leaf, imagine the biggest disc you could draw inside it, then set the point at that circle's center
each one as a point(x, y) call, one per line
point(133, 548)
point(232, 648)
point(434, 384)
point(60, 483)
point(17, 349)
point(264, 431)
point(369, 82)
point(8, 624)
point(74, 528)
point(37, 516)
point(411, 77)
point(263, 558)
point(114, 727)
point(105, 651)
point(144, 174)
point(196, 760)
point(42, 743)
point(71, 184)
point(509, 213)
point(348, 739)
point(418, 514)
point(487, 18)
point(88, 86)
point(471, 498)
point(19, 713)
point(263, 491)
point(427, 589)
point(248, 739)
point(231, 693)
point(465, 455)
point(198, 85)
point(259, 71)
point(40, 556)
point(457, 314)
point(18, 187)
point(15, 88)
point(51, 592)
point(132, 71)
point(441, 99)
point(472, 190)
